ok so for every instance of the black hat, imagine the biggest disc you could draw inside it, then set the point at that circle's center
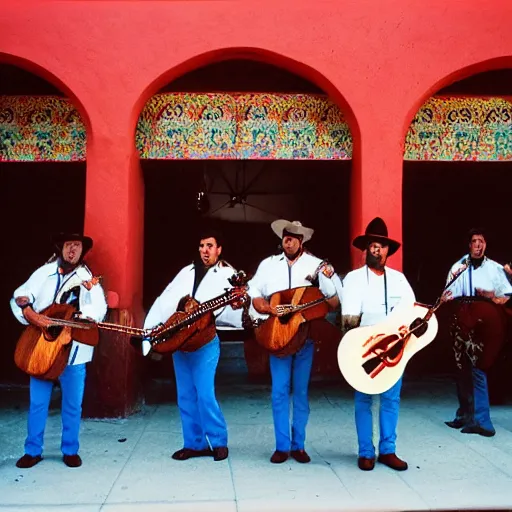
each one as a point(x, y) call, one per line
point(376, 231)
point(61, 238)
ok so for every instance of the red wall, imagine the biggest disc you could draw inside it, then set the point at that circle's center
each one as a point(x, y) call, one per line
point(378, 60)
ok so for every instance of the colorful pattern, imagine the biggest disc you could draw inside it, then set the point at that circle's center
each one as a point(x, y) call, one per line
point(254, 126)
point(461, 129)
point(243, 126)
point(39, 129)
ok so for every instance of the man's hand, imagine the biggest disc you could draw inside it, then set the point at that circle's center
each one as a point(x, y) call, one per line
point(508, 269)
point(492, 296)
point(36, 319)
point(446, 296)
point(327, 270)
point(488, 294)
point(22, 301)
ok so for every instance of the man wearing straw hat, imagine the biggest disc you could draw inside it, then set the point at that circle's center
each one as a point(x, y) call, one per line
point(291, 269)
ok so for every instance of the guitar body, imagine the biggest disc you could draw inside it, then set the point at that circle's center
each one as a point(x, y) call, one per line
point(188, 338)
point(285, 335)
point(478, 327)
point(372, 359)
point(44, 353)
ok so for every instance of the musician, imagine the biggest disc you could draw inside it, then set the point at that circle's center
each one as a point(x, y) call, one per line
point(369, 295)
point(65, 279)
point(482, 277)
point(203, 424)
point(287, 270)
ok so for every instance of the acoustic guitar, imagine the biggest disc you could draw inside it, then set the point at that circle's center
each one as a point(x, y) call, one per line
point(372, 359)
point(285, 334)
point(44, 352)
point(193, 324)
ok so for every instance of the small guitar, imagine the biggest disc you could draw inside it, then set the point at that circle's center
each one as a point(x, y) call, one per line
point(284, 334)
point(372, 359)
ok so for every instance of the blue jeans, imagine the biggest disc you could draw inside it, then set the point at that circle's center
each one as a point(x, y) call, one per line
point(295, 369)
point(72, 383)
point(388, 420)
point(202, 421)
point(473, 395)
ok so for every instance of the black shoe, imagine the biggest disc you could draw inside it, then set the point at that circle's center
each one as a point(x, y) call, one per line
point(220, 453)
point(72, 461)
point(188, 453)
point(456, 423)
point(27, 461)
point(475, 429)
point(300, 456)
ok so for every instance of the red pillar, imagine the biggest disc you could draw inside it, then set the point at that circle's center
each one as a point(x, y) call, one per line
point(114, 217)
point(376, 189)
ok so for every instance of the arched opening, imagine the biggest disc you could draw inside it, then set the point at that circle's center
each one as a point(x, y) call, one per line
point(42, 184)
point(457, 176)
point(251, 169)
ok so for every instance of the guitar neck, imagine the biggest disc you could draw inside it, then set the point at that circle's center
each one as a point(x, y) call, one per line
point(133, 331)
point(306, 305)
point(205, 307)
point(125, 329)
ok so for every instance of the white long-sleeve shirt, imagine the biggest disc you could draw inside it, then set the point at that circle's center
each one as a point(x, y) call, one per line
point(214, 283)
point(275, 274)
point(372, 296)
point(489, 276)
point(47, 286)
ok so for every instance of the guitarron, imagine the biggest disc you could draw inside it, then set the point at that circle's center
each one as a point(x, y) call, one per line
point(478, 328)
point(44, 353)
point(285, 335)
point(372, 359)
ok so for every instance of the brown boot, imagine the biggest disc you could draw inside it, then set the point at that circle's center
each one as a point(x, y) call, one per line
point(72, 461)
point(300, 456)
point(27, 461)
point(279, 457)
point(365, 464)
point(392, 461)
point(220, 453)
point(188, 453)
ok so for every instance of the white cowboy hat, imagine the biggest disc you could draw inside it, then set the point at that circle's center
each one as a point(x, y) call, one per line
point(295, 228)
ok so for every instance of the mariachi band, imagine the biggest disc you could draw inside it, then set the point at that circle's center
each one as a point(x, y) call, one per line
point(63, 306)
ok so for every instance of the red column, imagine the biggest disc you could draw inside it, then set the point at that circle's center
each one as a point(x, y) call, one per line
point(114, 217)
point(376, 190)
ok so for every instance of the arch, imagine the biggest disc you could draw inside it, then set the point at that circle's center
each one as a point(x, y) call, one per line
point(259, 55)
point(450, 78)
point(37, 69)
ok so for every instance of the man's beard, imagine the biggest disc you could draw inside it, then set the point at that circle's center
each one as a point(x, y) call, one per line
point(375, 262)
point(476, 262)
point(66, 266)
point(295, 255)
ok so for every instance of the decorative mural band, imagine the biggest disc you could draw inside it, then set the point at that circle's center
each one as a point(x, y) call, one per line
point(476, 129)
point(254, 126)
point(243, 126)
point(40, 129)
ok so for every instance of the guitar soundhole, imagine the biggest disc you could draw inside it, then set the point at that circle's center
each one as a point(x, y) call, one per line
point(52, 332)
point(284, 319)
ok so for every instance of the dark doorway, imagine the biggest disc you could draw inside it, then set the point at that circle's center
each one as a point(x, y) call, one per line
point(36, 201)
point(442, 201)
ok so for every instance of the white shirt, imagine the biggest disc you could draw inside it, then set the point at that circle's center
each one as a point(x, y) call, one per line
point(489, 276)
point(275, 274)
point(214, 283)
point(46, 287)
point(372, 296)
